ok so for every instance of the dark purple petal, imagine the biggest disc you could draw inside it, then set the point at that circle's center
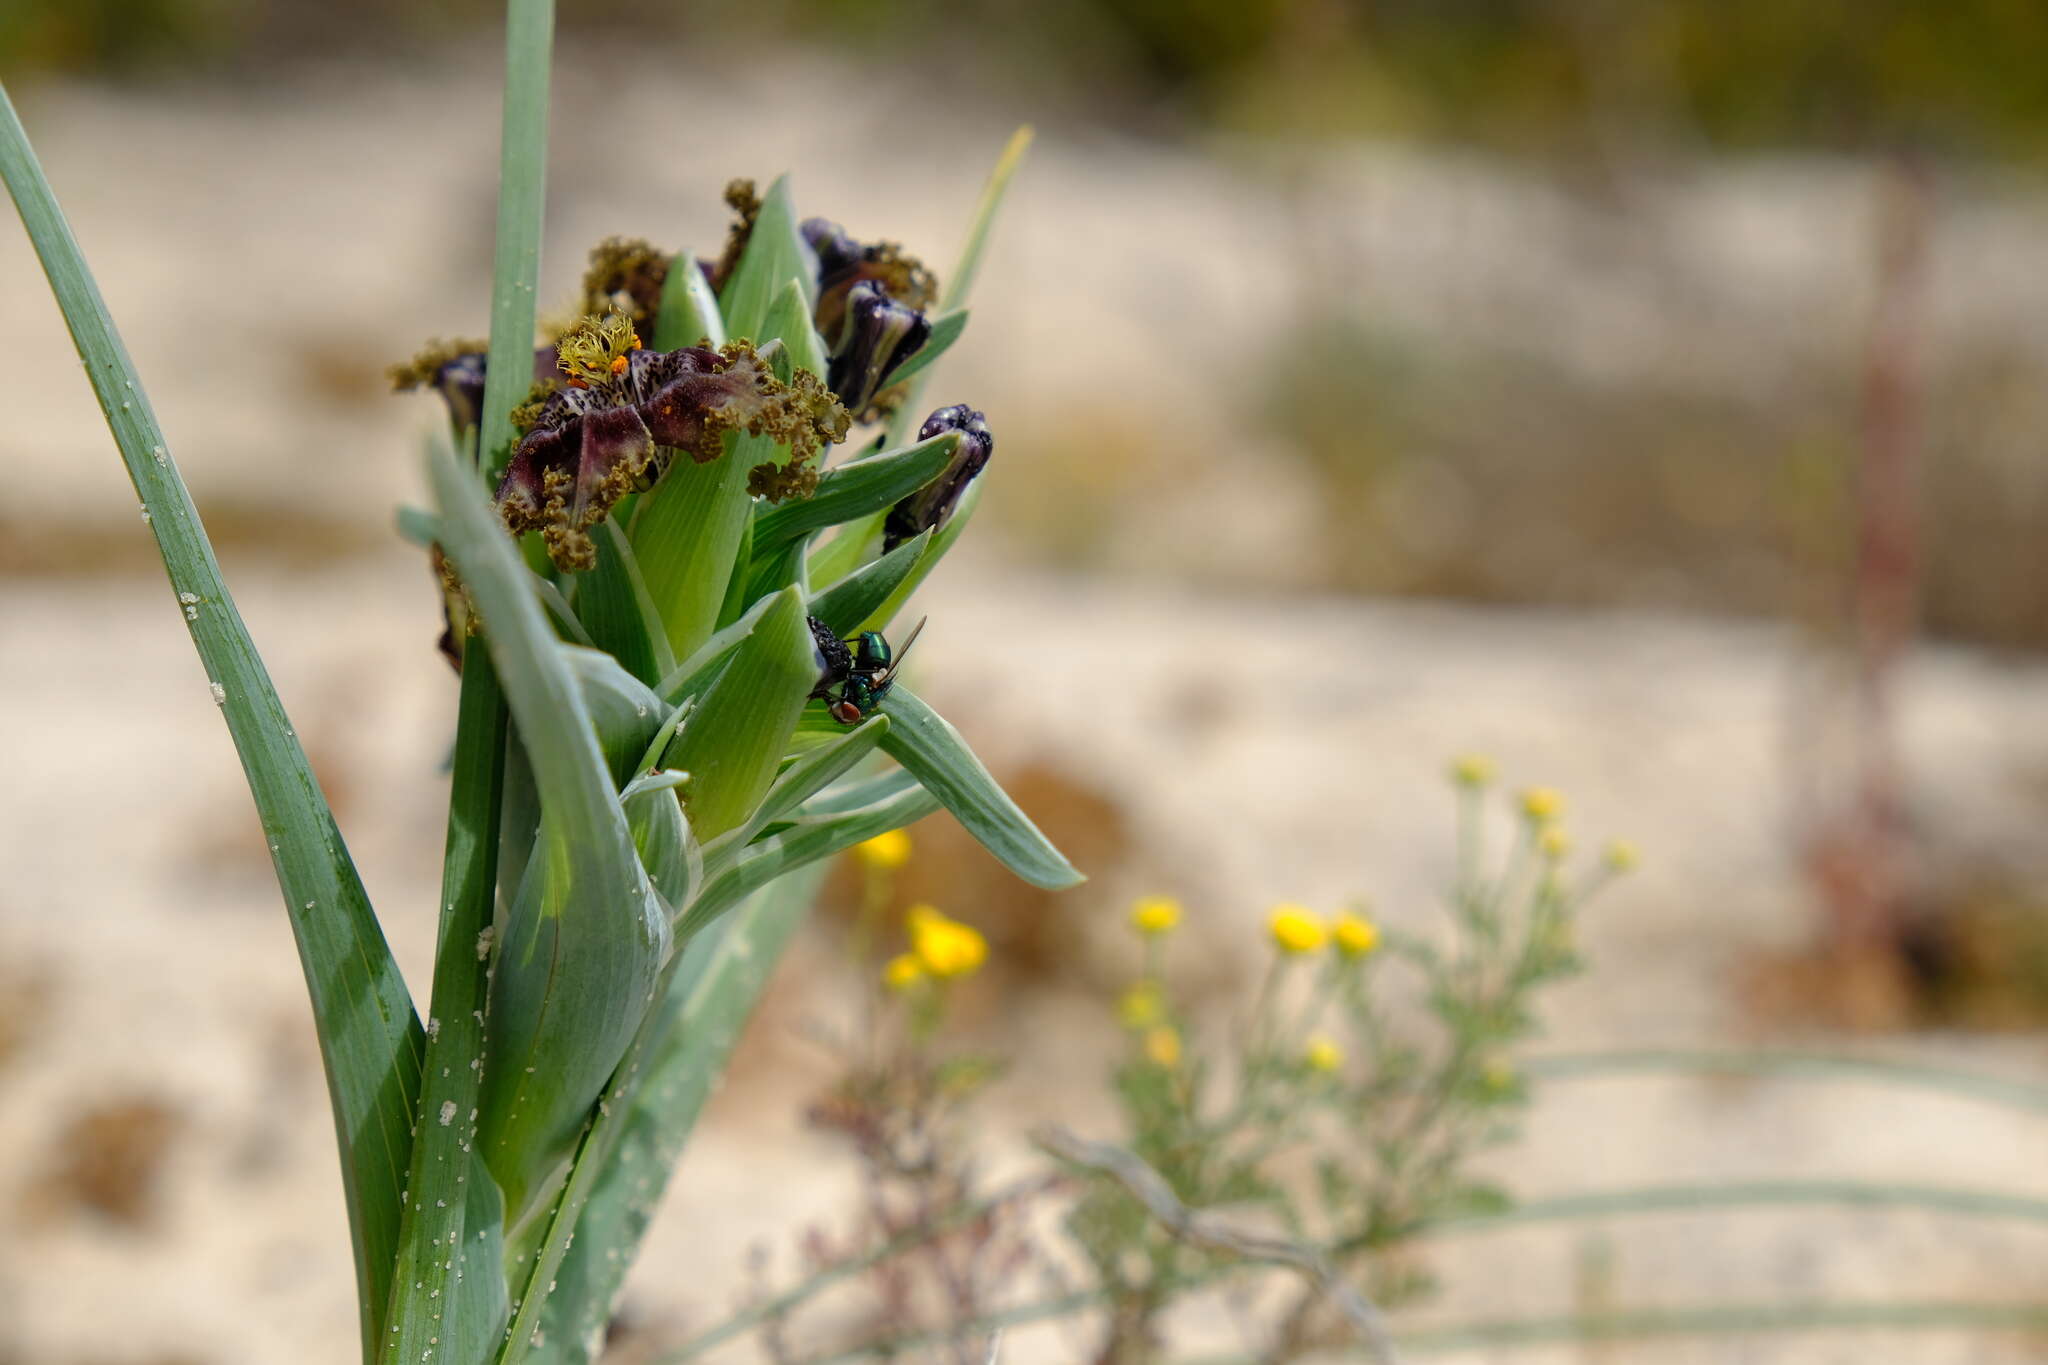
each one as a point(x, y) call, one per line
point(931, 505)
point(878, 335)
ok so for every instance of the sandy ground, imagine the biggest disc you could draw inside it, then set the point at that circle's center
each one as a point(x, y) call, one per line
point(1257, 747)
point(137, 899)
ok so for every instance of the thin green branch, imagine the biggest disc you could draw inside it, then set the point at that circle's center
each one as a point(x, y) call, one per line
point(369, 1037)
point(1805, 1065)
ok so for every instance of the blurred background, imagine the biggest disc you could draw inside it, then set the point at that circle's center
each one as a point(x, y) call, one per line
point(1648, 393)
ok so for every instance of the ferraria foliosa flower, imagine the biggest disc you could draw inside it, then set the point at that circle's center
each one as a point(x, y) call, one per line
point(844, 263)
point(876, 335)
point(607, 432)
point(929, 506)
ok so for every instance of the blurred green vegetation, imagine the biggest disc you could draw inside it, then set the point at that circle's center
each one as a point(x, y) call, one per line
point(1962, 75)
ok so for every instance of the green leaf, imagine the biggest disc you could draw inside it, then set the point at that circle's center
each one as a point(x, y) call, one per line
point(432, 1305)
point(687, 534)
point(734, 741)
point(801, 842)
point(774, 253)
point(935, 754)
point(615, 607)
point(369, 1037)
point(859, 595)
point(946, 329)
point(689, 311)
point(789, 322)
point(582, 944)
point(718, 980)
point(858, 489)
point(800, 781)
point(522, 194)
point(624, 712)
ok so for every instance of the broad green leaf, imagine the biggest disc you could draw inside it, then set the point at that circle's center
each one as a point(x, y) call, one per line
point(689, 311)
point(362, 1013)
point(667, 849)
point(615, 607)
point(934, 753)
point(802, 841)
point(735, 739)
point(946, 329)
point(624, 712)
point(859, 595)
point(771, 573)
point(583, 941)
point(859, 489)
point(960, 284)
point(687, 533)
point(737, 597)
point(718, 980)
point(774, 254)
point(436, 1313)
point(522, 186)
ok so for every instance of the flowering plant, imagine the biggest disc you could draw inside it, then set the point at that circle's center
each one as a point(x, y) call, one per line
point(668, 606)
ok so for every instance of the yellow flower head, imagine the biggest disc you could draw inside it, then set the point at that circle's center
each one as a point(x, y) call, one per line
point(1162, 1047)
point(1296, 930)
point(884, 852)
point(902, 972)
point(1356, 935)
point(1142, 1006)
point(1554, 843)
point(1541, 805)
point(1622, 856)
point(1154, 915)
point(1472, 770)
point(1322, 1054)
point(945, 947)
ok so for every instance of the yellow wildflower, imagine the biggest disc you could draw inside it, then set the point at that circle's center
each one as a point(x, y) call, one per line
point(1542, 804)
point(1162, 1047)
point(1143, 1006)
point(1322, 1054)
point(1356, 935)
point(902, 972)
point(1622, 856)
point(1472, 770)
point(1153, 915)
point(884, 852)
point(946, 947)
point(1554, 843)
point(1296, 929)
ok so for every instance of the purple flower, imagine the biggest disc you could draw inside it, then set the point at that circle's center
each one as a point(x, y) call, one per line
point(608, 432)
point(930, 505)
point(876, 335)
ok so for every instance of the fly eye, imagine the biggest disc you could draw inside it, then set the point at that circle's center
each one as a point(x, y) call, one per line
point(845, 712)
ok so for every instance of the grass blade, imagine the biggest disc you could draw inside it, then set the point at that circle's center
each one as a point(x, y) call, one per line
point(369, 1037)
point(522, 186)
point(933, 751)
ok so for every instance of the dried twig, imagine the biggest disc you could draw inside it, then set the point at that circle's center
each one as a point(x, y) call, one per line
point(1149, 1188)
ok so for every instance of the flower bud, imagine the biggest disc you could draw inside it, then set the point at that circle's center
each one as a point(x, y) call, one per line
point(930, 505)
point(876, 336)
